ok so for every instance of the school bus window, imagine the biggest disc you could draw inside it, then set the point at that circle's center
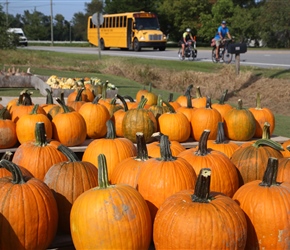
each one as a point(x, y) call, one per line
point(117, 21)
point(105, 22)
point(125, 21)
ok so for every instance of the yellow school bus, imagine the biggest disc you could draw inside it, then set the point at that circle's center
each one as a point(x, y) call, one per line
point(130, 31)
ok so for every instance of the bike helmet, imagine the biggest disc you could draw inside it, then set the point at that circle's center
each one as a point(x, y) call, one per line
point(188, 30)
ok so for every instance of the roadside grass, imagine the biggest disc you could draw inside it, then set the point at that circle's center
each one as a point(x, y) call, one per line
point(127, 73)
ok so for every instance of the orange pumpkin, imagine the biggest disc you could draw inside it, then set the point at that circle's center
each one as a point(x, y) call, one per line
point(224, 173)
point(25, 126)
point(79, 100)
point(286, 152)
point(115, 149)
point(110, 216)
point(205, 118)
point(221, 143)
point(162, 177)
point(49, 102)
point(261, 116)
point(175, 125)
point(68, 180)
point(195, 215)
point(199, 101)
point(221, 106)
point(128, 170)
point(261, 200)
point(182, 99)
point(174, 104)
point(42, 154)
point(95, 115)
point(8, 137)
point(69, 127)
point(32, 201)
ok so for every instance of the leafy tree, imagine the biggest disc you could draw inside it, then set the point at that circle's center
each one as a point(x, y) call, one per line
point(119, 6)
point(80, 21)
point(6, 39)
point(275, 23)
point(182, 14)
point(61, 28)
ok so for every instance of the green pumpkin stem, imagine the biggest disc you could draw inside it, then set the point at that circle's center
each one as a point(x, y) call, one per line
point(208, 102)
point(40, 134)
point(270, 175)
point(165, 151)
point(111, 131)
point(189, 101)
point(27, 101)
point(202, 187)
point(121, 98)
point(198, 92)
point(142, 152)
point(17, 176)
point(188, 90)
point(142, 103)
point(103, 172)
point(49, 99)
point(72, 157)
point(96, 99)
point(130, 98)
point(61, 103)
point(104, 89)
point(223, 97)
point(2, 112)
point(34, 110)
point(202, 145)
point(170, 98)
point(79, 95)
point(171, 109)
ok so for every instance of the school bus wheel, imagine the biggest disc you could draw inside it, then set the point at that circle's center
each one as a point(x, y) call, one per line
point(136, 45)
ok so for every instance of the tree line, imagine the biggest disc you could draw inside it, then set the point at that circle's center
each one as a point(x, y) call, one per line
point(266, 20)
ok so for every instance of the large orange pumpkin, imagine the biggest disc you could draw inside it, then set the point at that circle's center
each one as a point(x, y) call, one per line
point(68, 180)
point(39, 155)
point(115, 149)
point(110, 216)
point(200, 219)
point(221, 106)
point(224, 173)
point(128, 170)
point(261, 200)
point(28, 211)
point(164, 176)
point(8, 137)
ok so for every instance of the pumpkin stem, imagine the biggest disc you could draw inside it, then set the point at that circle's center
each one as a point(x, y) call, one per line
point(198, 92)
point(258, 101)
point(61, 103)
point(208, 102)
point(111, 132)
point(220, 139)
point(79, 95)
point(170, 98)
point(72, 157)
point(96, 99)
point(202, 187)
point(266, 131)
point(103, 172)
point(270, 175)
point(27, 101)
point(150, 87)
point(202, 145)
point(7, 156)
point(130, 98)
point(2, 112)
point(189, 101)
point(49, 99)
point(40, 135)
point(142, 103)
point(17, 176)
point(142, 152)
point(188, 90)
point(123, 102)
point(223, 97)
point(171, 109)
point(104, 89)
point(240, 104)
point(34, 110)
point(165, 151)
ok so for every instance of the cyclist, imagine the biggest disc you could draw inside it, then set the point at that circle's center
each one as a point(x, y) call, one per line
point(222, 32)
point(185, 38)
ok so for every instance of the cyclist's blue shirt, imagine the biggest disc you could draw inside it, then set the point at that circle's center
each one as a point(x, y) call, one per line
point(223, 31)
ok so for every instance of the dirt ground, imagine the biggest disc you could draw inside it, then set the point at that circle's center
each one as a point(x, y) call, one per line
point(275, 93)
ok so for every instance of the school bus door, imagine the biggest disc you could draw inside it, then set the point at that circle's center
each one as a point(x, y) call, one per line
point(129, 33)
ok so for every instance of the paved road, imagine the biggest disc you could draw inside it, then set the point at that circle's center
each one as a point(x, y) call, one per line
point(253, 57)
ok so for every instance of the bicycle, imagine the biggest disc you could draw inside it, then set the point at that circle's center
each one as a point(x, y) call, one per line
point(224, 54)
point(190, 51)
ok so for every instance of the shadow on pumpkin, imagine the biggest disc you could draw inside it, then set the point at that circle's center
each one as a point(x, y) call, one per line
point(252, 238)
point(8, 238)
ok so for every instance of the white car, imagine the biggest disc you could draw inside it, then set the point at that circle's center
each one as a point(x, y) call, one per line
point(20, 33)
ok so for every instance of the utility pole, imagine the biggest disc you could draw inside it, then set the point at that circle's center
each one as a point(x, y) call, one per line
point(51, 23)
point(7, 12)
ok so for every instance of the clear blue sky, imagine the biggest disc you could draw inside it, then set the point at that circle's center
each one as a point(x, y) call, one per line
point(65, 7)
